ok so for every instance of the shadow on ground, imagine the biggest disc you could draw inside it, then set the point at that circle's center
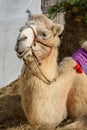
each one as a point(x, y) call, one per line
point(11, 113)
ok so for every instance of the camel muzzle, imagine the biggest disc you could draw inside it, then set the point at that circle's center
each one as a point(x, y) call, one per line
point(24, 42)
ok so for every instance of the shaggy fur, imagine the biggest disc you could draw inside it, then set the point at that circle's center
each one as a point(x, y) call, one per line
point(45, 104)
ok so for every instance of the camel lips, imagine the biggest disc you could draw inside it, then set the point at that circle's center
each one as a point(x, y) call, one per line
point(21, 54)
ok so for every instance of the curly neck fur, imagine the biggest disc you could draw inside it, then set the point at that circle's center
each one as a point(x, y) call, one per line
point(49, 70)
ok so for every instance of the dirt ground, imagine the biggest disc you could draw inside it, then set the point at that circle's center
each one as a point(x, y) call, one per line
point(11, 113)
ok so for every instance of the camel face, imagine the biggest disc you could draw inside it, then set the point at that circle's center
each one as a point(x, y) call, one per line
point(37, 36)
point(24, 41)
point(33, 36)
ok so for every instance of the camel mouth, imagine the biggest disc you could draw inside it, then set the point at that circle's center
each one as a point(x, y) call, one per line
point(22, 53)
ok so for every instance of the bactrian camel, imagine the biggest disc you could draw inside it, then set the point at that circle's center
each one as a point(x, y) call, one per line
point(50, 92)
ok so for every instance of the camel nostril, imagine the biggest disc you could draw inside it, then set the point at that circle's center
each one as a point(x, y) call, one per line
point(21, 38)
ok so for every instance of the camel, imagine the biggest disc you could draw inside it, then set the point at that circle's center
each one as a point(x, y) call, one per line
point(50, 91)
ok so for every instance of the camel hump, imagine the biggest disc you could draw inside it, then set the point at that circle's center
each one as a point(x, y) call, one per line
point(84, 45)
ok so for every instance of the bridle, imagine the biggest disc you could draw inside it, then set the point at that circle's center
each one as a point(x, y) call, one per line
point(36, 60)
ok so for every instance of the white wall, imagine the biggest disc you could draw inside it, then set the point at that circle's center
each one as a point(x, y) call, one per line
point(12, 17)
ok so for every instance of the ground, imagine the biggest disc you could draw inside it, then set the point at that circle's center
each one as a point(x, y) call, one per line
point(11, 113)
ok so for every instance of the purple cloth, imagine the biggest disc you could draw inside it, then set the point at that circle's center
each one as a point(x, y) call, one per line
point(80, 56)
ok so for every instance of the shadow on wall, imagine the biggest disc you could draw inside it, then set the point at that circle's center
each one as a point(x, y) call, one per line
point(75, 33)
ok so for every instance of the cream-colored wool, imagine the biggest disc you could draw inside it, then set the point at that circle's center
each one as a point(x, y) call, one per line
point(45, 104)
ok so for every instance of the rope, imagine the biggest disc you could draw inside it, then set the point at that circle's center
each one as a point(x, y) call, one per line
point(36, 60)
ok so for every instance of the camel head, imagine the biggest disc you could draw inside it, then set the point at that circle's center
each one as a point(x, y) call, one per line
point(39, 35)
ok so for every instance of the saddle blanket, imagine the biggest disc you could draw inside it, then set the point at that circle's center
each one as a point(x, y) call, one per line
point(80, 56)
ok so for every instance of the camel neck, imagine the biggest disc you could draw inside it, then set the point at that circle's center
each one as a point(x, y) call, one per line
point(47, 71)
point(49, 65)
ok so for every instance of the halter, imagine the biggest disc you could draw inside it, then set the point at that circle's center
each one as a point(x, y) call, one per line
point(36, 60)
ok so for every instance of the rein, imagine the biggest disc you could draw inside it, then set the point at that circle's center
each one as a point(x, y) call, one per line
point(36, 60)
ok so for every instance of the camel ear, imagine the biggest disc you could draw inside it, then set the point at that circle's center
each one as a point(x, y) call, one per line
point(57, 29)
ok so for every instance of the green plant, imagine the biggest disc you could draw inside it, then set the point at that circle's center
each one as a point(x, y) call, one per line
point(57, 8)
point(78, 3)
point(66, 5)
point(86, 17)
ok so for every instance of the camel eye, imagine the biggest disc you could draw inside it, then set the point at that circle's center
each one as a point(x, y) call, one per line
point(44, 34)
